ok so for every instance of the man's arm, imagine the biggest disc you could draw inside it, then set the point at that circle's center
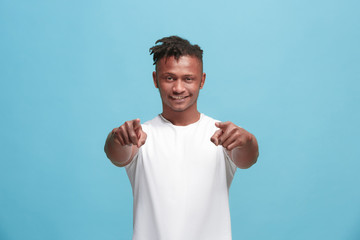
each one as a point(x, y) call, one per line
point(124, 142)
point(241, 145)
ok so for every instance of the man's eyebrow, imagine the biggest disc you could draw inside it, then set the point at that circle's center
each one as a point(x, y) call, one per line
point(168, 73)
point(173, 74)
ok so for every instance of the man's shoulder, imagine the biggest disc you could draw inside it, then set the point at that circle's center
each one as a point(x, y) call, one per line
point(153, 123)
point(208, 118)
point(155, 120)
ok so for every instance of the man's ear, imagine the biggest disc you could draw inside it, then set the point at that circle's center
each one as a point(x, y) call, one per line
point(154, 79)
point(202, 80)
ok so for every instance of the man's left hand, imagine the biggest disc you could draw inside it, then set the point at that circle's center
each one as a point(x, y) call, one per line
point(231, 136)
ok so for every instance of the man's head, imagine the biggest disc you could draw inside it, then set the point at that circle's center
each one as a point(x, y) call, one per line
point(179, 75)
point(176, 47)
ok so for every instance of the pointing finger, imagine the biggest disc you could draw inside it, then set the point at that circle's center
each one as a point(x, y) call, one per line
point(136, 124)
point(137, 127)
point(132, 135)
point(222, 125)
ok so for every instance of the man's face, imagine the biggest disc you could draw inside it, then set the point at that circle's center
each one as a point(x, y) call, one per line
point(179, 82)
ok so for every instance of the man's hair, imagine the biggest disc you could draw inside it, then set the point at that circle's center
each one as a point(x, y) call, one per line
point(175, 46)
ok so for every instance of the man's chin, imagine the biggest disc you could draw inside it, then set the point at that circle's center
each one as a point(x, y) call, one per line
point(178, 109)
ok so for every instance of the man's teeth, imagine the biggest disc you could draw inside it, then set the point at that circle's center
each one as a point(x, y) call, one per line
point(178, 97)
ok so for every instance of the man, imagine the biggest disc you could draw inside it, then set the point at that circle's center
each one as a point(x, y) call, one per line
point(181, 163)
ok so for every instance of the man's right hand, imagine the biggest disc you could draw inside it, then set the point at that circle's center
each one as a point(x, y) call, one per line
point(130, 133)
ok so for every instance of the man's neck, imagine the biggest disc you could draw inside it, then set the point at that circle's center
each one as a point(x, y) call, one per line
point(181, 118)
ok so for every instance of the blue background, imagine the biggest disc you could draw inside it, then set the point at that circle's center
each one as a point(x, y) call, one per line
point(287, 71)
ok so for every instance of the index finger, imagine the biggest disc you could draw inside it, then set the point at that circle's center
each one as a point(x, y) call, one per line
point(137, 124)
point(222, 125)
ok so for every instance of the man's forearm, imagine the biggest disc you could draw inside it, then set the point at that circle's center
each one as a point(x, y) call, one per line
point(118, 154)
point(245, 156)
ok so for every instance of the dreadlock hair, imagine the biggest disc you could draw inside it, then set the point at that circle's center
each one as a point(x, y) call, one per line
point(175, 46)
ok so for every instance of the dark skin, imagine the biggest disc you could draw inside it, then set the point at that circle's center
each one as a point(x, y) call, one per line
point(241, 145)
point(179, 82)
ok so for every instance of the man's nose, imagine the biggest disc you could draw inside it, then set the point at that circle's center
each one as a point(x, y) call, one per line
point(178, 86)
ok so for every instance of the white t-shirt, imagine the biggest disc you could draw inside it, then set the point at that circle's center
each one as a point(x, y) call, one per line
point(180, 182)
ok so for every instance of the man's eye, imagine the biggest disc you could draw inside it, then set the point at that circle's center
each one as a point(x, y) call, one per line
point(169, 78)
point(188, 79)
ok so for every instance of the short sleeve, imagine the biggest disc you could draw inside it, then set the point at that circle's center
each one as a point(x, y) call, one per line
point(230, 168)
point(131, 166)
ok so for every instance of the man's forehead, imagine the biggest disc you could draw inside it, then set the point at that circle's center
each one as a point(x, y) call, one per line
point(171, 60)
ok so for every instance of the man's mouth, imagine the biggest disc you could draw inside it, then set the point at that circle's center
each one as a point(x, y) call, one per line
point(178, 97)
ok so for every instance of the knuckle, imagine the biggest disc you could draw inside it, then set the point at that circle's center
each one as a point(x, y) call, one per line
point(233, 131)
point(249, 137)
point(122, 131)
point(237, 134)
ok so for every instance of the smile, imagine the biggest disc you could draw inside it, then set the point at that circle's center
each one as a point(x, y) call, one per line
point(178, 97)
